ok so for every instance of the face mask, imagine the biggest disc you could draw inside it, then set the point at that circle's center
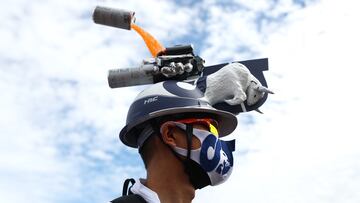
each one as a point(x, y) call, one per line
point(212, 163)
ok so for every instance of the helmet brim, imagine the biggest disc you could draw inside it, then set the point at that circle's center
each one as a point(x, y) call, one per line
point(227, 122)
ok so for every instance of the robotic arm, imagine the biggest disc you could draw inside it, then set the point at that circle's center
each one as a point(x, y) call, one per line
point(235, 87)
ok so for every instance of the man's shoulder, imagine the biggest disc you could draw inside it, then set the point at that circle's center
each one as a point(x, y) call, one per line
point(133, 198)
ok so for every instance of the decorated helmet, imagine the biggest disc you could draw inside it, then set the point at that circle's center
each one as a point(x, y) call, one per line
point(171, 98)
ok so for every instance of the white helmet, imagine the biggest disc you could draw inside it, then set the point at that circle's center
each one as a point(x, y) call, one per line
point(171, 98)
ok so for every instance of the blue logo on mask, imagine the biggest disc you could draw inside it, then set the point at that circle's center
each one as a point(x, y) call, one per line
point(215, 153)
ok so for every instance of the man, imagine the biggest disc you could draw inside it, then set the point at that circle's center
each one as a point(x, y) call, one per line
point(177, 134)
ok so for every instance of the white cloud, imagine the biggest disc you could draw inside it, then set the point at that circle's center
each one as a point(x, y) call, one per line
point(59, 123)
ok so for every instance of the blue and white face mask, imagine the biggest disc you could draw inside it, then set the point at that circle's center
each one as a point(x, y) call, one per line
point(214, 156)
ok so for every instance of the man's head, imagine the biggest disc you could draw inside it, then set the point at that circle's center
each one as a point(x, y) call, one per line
point(172, 114)
point(194, 142)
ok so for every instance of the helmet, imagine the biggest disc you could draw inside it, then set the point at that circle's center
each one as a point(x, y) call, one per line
point(171, 98)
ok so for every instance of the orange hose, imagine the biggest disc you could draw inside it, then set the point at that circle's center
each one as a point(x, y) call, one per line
point(153, 45)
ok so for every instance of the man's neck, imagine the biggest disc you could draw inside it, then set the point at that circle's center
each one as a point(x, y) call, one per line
point(168, 179)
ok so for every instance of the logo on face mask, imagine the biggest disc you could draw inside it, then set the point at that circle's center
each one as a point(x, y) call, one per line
point(215, 155)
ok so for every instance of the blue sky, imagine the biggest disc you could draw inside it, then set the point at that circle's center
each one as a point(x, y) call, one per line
point(59, 120)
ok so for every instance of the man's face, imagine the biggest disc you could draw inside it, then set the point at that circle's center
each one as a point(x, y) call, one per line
point(209, 156)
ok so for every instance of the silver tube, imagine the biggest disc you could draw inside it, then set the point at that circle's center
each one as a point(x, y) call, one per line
point(131, 76)
point(113, 17)
point(169, 57)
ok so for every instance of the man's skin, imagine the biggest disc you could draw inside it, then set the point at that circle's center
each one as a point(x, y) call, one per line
point(165, 172)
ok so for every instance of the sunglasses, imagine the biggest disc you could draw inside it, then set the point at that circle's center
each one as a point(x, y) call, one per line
point(210, 123)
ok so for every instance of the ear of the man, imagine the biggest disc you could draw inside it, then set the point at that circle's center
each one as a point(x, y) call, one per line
point(167, 133)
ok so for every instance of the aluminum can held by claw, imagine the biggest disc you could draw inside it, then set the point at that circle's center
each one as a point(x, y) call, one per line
point(114, 17)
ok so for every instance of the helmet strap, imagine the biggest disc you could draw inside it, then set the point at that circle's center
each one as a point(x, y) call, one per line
point(197, 177)
point(189, 133)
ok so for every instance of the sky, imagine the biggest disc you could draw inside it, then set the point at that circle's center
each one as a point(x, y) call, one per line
point(59, 120)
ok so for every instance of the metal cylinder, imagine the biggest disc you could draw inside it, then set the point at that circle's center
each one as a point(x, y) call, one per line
point(131, 76)
point(113, 17)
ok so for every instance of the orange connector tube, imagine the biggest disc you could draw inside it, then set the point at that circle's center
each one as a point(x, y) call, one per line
point(153, 45)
